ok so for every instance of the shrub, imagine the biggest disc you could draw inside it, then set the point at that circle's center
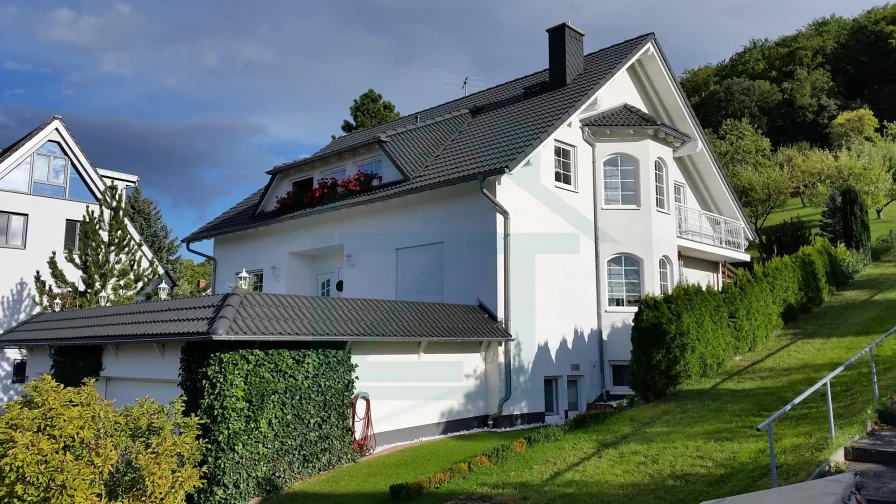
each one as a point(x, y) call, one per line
point(588, 419)
point(830, 226)
point(753, 314)
point(680, 336)
point(883, 246)
point(68, 444)
point(854, 221)
point(785, 238)
point(72, 364)
point(271, 414)
point(677, 337)
point(546, 434)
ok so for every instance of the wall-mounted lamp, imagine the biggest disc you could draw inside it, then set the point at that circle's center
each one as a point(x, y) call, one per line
point(243, 279)
point(275, 272)
point(163, 291)
point(350, 260)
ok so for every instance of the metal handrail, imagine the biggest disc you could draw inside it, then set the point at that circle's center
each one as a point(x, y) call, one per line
point(768, 423)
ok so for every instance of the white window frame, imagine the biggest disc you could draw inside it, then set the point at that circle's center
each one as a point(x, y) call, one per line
point(77, 234)
point(664, 261)
point(661, 188)
point(9, 216)
point(684, 194)
point(573, 169)
point(359, 164)
point(330, 172)
point(578, 380)
point(625, 307)
point(604, 192)
point(556, 387)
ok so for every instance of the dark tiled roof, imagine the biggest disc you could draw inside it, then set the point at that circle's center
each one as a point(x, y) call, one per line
point(254, 316)
point(485, 133)
point(631, 117)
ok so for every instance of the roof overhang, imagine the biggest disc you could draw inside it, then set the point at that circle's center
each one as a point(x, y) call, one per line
point(167, 338)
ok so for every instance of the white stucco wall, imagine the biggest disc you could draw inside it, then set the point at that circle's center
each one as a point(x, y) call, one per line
point(458, 216)
point(701, 271)
point(130, 372)
point(448, 381)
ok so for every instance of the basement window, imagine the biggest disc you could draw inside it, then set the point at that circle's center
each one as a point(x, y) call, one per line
point(620, 374)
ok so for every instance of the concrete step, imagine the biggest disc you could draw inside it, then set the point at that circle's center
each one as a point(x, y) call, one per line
point(878, 482)
point(878, 448)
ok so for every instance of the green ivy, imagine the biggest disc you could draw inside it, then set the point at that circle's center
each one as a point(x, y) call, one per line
point(271, 414)
point(72, 364)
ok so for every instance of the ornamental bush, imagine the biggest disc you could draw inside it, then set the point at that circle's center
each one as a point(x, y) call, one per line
point(785, 238)
point(68, 444)
point(854, 221)
point(271, 414)
point(681, 335)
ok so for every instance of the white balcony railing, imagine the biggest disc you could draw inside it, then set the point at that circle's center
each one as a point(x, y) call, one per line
point(704, 227)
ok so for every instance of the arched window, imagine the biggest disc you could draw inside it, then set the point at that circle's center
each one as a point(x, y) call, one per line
point(620, 181)
point(623, 281)
point(665, 276)
point(659, 181)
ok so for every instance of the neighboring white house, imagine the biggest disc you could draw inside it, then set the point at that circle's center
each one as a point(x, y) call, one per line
point(46, 181)
point(597, 171)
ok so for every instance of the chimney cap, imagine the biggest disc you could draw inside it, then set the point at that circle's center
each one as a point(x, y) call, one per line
point(567, 25)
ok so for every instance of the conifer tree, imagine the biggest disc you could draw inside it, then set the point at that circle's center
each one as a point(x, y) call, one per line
point(107, 259)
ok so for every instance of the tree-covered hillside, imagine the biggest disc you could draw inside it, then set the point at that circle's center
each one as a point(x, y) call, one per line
point(791, 88)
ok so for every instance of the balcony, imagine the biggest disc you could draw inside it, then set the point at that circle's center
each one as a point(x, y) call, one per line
point(710, 229)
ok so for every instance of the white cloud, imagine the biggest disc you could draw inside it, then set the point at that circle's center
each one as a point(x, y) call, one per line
point(13, 66)
point(105, 31)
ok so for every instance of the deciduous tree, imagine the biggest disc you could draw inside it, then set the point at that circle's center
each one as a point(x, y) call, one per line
point(761, 185)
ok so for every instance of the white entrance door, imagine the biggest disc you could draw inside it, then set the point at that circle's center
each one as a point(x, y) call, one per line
point(326, 284)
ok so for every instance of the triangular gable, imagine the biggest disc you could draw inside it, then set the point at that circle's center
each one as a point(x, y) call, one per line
point(83, 175)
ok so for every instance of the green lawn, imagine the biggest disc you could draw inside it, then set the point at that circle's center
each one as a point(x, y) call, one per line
point(698, 444)
point(369, 481)
point(879, 227)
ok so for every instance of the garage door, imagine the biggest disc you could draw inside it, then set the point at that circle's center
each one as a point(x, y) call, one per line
point(126, 391)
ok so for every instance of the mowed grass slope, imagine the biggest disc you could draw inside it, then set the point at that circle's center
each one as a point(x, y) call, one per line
point(701, 442)
point(698, 444)
point(369, 480)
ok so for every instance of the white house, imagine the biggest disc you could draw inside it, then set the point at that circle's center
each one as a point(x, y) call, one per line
point(46, 181)
point(555, 200)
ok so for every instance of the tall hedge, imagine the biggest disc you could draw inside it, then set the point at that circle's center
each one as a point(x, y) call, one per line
point(677, 337)
point(854, 221)
point(270, 415)
point(694, 332)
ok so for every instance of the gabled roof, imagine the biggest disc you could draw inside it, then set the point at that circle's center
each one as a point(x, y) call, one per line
point(626, 116)
point(250, 316)
point(80, 161)
point(483, 134)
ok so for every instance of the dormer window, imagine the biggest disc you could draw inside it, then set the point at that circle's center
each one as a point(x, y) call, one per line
point(336, 173)
point(302, 186)
point(371, 166)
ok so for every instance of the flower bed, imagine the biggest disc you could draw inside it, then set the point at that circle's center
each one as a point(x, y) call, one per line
point(328, 190)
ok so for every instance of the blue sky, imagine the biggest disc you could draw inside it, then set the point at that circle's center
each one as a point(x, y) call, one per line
point(199, 98)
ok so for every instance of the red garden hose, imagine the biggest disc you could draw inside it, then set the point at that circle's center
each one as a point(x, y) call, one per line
point(365, 442)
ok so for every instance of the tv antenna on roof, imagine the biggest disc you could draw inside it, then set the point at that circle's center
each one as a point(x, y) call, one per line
point(466, 83)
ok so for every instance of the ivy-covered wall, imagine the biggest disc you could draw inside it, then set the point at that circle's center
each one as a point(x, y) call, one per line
point(271, 414)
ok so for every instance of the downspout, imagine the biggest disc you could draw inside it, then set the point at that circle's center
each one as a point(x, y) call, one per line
point(508, 378)
point(597, 264)
point(210, 258)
